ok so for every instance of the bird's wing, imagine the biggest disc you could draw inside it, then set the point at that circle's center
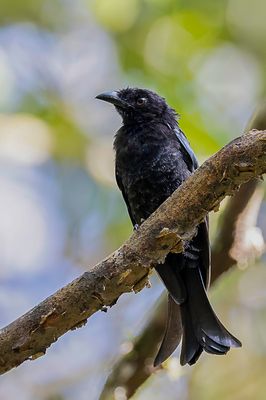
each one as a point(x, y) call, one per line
point(186, 146)
point(204, 245)
point(203, 228)
point(121, 187)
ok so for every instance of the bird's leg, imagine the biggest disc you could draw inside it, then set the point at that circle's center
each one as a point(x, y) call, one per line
point(136, 226)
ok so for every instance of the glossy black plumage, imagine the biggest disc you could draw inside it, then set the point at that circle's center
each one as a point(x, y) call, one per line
point(153, 157)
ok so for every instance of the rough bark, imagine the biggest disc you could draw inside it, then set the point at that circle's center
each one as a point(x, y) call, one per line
point(127, 268)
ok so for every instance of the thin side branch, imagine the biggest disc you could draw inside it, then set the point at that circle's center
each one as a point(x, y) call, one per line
point(125, 270)
point(239, 218)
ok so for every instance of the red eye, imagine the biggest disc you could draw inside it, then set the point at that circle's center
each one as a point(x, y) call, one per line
point(141, 101)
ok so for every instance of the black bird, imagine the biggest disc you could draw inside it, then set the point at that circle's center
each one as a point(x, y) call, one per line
point(153, 157)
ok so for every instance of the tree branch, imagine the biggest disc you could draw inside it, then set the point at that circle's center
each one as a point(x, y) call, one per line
point(230, 246)
point(239, 217)
point(126, 269)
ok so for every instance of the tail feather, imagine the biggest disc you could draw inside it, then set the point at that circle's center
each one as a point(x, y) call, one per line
point(200, 323)
point(212, 350)
point(188, 301)
point(173, 333)
point(191, 348)
point(214, 346)
point(170, 275)
point(204, 320)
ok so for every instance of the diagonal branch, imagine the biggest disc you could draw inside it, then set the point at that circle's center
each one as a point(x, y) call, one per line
point(126, 269)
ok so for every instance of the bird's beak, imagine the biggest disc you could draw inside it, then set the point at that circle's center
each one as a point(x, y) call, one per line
point(113, 98)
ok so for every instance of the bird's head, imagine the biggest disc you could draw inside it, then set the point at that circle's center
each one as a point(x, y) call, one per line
point(139, 105)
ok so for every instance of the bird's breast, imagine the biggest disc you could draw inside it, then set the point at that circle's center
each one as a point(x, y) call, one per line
point(149, 174)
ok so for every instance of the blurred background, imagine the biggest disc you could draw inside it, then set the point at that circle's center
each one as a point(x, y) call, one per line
point(60, 210)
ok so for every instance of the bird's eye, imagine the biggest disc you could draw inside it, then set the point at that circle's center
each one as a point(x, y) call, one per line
point(141, 101)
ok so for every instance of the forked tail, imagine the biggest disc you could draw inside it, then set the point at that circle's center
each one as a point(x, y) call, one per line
point(202, 329)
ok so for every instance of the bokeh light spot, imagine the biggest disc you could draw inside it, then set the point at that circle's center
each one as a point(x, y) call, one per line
point(166, 43)
point(100, 161)
point(7, 81)
point(246, 20)
point(24, 231)
point(227, 83)
point(24, 139)
point(117, 15)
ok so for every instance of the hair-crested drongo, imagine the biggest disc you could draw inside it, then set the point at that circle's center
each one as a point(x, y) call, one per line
point(153, 157)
